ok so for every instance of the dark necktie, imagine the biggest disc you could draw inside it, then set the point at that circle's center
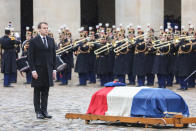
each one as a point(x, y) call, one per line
point(45, 43)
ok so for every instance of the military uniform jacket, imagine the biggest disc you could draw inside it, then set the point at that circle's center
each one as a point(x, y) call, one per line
point(184, 61)
point(9, 55)
point(82, 61)
point(42, 60)
point(105, 62)
point(92, 60)
point(139, 59)
point(123, 62)
point(150, 55)
point(161, 62)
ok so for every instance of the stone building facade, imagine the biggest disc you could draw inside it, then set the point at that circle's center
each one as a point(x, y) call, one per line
point(58, 12)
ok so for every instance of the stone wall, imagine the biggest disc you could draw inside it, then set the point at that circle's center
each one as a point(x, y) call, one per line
point(188, 12)
point(10, 11)
point(57, 13)
point(140, 12)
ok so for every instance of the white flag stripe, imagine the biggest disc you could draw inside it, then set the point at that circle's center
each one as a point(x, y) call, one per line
point(120, 100)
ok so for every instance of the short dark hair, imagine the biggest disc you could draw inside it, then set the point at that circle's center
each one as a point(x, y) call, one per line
point(40, 24)
point(7, 32)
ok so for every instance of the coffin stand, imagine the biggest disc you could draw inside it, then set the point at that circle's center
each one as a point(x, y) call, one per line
point(177, 121)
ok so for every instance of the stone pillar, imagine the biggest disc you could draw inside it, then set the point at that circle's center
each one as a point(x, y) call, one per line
point(188, 12)
point(57, 13)
point(10, 11)
point(140, 12)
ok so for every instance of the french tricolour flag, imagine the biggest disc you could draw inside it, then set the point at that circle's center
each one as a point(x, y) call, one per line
point(137, 102)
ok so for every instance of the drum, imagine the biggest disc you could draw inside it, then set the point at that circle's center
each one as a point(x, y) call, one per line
point(60, 64)
point(22, 64)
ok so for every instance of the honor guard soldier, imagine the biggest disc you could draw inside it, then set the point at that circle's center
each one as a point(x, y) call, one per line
point(161, 62)
point(105, 60)
point(131, 35)
point(92, 57)
point(184, 62)
point(122, 59)
point(69, 36)
point(82, 52)
point(172, 56)
point(139, 69)
point(183, 33)
point(8, 67)
point(170, 77)
point(150, 54)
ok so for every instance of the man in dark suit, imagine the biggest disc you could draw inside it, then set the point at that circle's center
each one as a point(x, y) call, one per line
point(42, 62)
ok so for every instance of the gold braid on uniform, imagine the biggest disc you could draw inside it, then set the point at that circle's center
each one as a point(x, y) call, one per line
point(125, 52)
point(159, 52)
point(140, 51)
point(180, 51)
point(83, 52)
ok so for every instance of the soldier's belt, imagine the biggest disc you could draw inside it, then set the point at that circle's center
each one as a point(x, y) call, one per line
point(137, 52)
point(182, 52)
point(161, 54)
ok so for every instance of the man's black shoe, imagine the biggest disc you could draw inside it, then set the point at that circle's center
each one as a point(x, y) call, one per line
point(8, 86)
point(45, 114)
point(40, 116)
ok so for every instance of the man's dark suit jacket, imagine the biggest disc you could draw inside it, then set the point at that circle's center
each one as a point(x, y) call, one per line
point(42, 60)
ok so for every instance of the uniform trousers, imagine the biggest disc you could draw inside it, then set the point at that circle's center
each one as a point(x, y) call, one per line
point(150, 79)
point(140, 80)
point(83, 78)
point(7, 79)
point(183, 83)
point(104, 78)
point(92, 77)
point(131, 78)
point(162, 80)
